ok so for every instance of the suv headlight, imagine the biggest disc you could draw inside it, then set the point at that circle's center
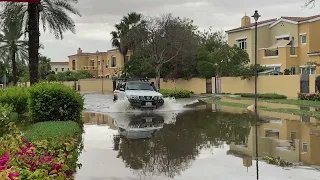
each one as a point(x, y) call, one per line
point(133, 97)
point(160, 97)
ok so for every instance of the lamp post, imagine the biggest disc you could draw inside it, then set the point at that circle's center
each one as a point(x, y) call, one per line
point(102, 66)
point(256, 17)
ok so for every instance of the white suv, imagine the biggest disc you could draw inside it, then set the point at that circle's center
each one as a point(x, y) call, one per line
point(140, 93)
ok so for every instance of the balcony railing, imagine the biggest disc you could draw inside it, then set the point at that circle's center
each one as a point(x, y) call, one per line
point(268, 53)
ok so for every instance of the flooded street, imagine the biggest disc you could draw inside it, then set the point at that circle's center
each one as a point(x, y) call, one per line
point(187, 140)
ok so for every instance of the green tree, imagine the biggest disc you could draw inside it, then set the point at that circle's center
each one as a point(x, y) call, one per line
point(124, 37)
point(164, 38)
point(229, 61)
point(138, 68)
point(54, 15)
point(206, 69)
point(12, 44)
point(44, 67)
point(248, 71)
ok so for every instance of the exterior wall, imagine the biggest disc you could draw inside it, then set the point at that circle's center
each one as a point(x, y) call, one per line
point(312, 83)
point(101, 65)
point(284, 28)
point(57, 66)
point(304, 48)
point(196, 85)
point(284, 58)
point(314, 36)
point(286, 85)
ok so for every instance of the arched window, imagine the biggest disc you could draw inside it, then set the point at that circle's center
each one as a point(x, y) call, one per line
point(73, 64)
point(113, 61)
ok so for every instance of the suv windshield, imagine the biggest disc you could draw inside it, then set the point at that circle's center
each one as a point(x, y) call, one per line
point(139, 86)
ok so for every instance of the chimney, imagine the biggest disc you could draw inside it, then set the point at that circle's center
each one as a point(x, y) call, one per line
point(245, 20)
point(79, 51)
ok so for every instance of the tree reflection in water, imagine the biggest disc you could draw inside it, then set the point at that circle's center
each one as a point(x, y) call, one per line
point(174, 147)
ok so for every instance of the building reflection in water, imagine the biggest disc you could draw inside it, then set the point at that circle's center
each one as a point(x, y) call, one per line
point(293, 138)
point(152, 146)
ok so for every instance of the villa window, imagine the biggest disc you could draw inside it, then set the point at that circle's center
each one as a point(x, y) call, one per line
point(92, 63)
point(275, 68)
point(62, 69)
point(304, 147)
point(242, 44)
point(113, 61)
point(126, 59)
point(293, 70)
point(73, 64)
point(303, 38)
point(56, 69)
point(307, 70)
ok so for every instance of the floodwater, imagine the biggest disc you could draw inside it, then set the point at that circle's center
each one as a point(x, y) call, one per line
point(187, 140)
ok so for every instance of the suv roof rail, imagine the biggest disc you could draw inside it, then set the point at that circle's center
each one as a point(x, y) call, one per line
point(133, 79)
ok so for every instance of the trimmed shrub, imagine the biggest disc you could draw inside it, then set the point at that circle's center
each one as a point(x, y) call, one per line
point(55, 102)
point(309, 96)
point(176, 93)
point(318, 83)
point(263, 96)
point(17, 98)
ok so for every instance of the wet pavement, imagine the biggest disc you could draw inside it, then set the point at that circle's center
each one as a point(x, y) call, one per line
point(189, 140)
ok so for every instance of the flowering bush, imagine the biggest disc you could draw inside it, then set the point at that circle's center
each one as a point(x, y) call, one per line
point(309, 96)
point(22, 159)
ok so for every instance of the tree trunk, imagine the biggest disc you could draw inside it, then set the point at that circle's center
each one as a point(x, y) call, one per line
point(14, 67)
point(33, 33)
point(124, 65)
point(158, 77)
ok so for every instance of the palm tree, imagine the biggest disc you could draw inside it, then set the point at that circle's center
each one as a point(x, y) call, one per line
point(53, 15)
point(12, 44)
point(124, 37)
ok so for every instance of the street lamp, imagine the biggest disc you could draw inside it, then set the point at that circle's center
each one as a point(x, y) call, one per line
point(256, 17)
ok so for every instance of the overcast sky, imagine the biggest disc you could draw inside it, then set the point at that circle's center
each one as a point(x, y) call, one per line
point(99, 17)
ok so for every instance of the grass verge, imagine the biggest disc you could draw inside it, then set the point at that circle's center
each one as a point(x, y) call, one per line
point(280, 110)
point(284, 101)
point(52, 130)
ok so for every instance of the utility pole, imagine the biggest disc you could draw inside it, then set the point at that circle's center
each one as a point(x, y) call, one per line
point(102, 66)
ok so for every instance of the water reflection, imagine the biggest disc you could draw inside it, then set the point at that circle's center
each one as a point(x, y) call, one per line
point(162, 145)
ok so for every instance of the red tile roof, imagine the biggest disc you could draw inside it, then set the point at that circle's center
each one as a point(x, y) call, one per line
point(252, 24)
point(314, 52)
point(300, 19)
point(88, 54)
point(296, 19)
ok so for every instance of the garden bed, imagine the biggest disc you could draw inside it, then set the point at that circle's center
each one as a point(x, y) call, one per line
point(49, 145)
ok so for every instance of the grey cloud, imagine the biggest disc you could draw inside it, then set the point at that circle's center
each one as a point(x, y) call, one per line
point(99, 17)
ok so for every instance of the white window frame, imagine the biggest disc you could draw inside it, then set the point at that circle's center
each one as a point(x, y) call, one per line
point(243, 46)
point(115, 63)
point(301, 36)
point(302, 149)
point(311, 68)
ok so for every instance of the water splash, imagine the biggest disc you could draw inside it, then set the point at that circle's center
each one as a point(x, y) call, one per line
point(104, 104)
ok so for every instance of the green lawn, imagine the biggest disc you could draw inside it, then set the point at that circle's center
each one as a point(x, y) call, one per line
point(280, 110)
point(52, 130)
point(284, 101)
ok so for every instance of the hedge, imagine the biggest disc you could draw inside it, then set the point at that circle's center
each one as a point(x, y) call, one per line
point(309, 96)
point(263, 96)
point(176, 93)
point(54, 102)
point(17, 98)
